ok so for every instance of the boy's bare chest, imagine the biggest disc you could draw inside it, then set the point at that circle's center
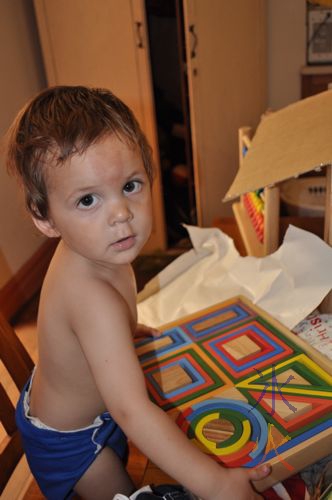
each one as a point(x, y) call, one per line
point(125, 284)
point(128, 292)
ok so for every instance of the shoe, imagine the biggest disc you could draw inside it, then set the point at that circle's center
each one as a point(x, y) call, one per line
point(162, 491)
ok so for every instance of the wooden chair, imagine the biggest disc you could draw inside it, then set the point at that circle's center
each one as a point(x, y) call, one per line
point(17, 368)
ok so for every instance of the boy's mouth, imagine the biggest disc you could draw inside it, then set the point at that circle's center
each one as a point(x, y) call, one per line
point(124, 243)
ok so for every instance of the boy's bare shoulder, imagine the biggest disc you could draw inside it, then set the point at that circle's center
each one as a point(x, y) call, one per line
point(74, 287)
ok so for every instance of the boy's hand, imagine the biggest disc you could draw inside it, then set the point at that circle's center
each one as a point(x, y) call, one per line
point(259, 473)
point(146, 331)
point(238, 483)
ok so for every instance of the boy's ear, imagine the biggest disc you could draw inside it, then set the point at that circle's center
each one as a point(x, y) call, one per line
point(46, 227)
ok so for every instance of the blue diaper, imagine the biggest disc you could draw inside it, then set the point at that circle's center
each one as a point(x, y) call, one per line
point(58, 459)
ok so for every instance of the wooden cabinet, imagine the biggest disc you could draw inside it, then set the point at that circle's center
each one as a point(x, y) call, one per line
point(105, 43)
point(227, 75)
point(315, 79)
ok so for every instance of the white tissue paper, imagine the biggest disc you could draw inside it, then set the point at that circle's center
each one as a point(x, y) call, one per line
point(289, 284)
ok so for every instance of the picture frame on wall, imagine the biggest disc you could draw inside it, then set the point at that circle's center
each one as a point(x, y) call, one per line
point(319, 34)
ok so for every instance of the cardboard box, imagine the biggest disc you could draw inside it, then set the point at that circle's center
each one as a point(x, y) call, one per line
point(287, 143)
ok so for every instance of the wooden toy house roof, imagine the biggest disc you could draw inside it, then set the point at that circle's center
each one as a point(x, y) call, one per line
point(287, 143)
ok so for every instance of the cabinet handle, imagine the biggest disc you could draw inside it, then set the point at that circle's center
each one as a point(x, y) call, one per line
point(195, 41)
point(139, 34)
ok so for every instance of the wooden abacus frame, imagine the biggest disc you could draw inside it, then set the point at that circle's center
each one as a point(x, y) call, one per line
point(271, 211)
point(272, 219)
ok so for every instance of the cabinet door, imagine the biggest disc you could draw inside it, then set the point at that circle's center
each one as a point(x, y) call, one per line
point(227, 73)
point(104, 44)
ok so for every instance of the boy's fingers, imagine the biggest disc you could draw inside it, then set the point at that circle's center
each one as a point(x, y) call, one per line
point(155, 332)
point(259, 472)
point(146, 331)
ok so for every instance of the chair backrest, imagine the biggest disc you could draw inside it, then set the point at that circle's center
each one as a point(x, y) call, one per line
point(19, 366)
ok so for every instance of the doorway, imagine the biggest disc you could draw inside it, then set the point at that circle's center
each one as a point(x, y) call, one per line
point(170, 87)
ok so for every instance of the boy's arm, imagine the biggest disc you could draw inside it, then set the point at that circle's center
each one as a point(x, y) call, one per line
point(103, 329)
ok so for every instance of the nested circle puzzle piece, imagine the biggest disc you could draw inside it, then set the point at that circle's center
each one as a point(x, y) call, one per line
point(218, 430)
point(246, 436)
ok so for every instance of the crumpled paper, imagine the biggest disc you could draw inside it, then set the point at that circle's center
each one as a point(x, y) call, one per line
point(289, 284)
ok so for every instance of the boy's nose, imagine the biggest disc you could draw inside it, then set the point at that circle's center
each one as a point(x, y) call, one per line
point(119, 214)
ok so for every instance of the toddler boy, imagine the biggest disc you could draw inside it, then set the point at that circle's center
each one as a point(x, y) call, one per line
point(86, 170)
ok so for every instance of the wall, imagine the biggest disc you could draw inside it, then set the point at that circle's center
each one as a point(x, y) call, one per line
point(286, 50)
point(21, 77)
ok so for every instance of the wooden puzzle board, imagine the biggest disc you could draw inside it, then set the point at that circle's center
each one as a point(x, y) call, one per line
point(242, 387)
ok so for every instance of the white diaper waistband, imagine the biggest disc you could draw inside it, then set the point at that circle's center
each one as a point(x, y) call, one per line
point(38, 423)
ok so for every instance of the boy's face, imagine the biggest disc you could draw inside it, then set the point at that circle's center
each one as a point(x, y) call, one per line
point(100, 203)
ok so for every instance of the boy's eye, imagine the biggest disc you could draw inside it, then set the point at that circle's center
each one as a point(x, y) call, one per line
point(133, 187)
point(87, 201)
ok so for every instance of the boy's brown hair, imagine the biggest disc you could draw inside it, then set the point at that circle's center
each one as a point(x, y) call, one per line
point(62, 121)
